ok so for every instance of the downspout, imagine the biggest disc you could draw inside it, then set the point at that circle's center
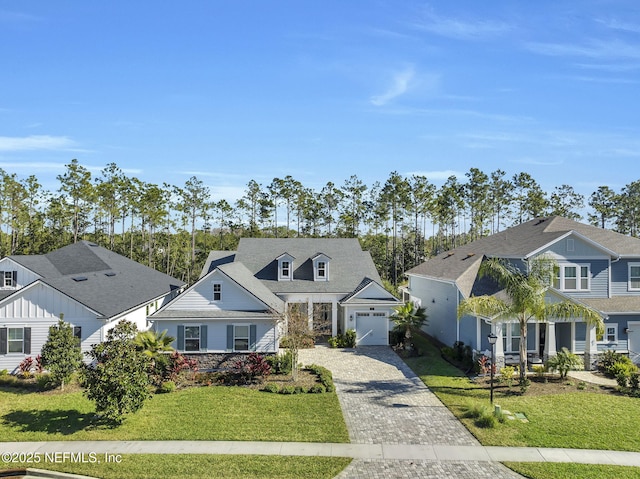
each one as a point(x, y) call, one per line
point(455, 287)
point(609, 282)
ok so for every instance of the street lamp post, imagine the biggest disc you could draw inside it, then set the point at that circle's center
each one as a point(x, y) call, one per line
point(492, 341)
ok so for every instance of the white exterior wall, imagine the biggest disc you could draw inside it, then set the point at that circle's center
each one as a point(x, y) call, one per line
point(441, 302)
point(25, 276)
point(310, 298)
point(38, 308)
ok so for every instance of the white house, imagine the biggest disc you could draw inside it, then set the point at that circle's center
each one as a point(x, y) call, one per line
point(91, 287)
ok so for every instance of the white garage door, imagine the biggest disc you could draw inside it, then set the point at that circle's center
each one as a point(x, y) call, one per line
point(372, 329)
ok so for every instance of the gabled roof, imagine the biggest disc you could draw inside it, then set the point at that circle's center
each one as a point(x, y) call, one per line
point(460, 265)
point(349, 264)
point(105, 281)
point(380, 294)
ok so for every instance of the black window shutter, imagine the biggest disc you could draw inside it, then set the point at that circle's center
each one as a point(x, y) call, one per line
point(26, 343)
point(252, 337)
point(3, 340)
point(15, 279)
point(229, 337)
point(180, 338)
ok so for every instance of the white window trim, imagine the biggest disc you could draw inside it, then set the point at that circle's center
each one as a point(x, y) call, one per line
point(629, 287)
point(9, 340)
point(508, 336)
point(235, 327)
point(615, 334)
point(8, 275)
point(213, 292)
point(281, 262)
point(316, 270)
point(578, 267)
point(199, 337)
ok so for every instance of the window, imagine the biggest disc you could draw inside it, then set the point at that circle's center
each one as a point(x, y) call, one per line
point(192, 338)
point(8, 279)
point(15, 340)
point(217, 291)
point(77, 332)
point(572, 277)
point(611, 333)
point(322, 269)
point(241, 338)
point(634, 276)
point(285, 269)
point(511, 338)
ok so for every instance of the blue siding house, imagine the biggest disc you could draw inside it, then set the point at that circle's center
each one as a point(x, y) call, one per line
point(596, 267)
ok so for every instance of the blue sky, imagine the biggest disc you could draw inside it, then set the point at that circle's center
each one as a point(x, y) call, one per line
point(236, 90)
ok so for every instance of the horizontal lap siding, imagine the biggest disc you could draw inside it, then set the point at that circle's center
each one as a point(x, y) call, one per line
point(620, 278)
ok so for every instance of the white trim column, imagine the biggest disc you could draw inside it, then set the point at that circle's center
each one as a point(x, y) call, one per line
point(590, 348)
point(550, 341)
point(334, 318)
point(497, 330)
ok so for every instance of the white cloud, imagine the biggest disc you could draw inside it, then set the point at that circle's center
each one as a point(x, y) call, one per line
point(36, 142)
point(400, 84)
point(462, 29)
point(594, 49)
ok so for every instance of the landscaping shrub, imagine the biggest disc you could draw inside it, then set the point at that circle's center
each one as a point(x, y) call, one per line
point(608, 361)
point(506, 375)
point(287, 390)
point(396, 337)
point(251, 368)
point(539, 370)
point(271, 388)
point(167, 387)
point(25, 366)
point(281, 363)
point(4, 372)
point(487, 421)
point(563, 362)
point(306, 342)
point(317, 389)
point(300, 390)
point(177, 365)
point(45, 382)
point(475, 411)
point(324, 376)
point(347, 340)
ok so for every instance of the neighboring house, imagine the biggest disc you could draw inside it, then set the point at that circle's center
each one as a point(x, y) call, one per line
point(90, 286)
point(596, 267)
point(235, 305)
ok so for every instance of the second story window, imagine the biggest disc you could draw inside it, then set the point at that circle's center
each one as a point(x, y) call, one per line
point(322, 269)
point(573, 277)
point(217, 291)
point(9, 279)
point(634, 276)
point(286, 268)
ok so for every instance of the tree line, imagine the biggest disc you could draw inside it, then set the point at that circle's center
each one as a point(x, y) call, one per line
point(401, 221)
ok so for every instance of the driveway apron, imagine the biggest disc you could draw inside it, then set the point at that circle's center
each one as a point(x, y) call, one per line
point(384, 402)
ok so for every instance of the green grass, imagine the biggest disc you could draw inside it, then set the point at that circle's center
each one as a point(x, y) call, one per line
point(196, 466)
point(573, 471)
point(207, 413)
point(579, 420)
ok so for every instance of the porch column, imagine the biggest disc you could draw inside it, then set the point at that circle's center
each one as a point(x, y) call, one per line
point(497, 330)
point(334, 318)
point(590, 349)
point(550, 342)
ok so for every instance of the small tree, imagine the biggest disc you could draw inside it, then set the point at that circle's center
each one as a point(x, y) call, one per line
point(118, 379)
point(61, 354)
point(563, 362)
point(409, 319)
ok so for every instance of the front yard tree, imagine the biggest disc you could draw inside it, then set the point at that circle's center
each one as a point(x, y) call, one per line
point(526, 292)
point(61, 354)
point(410, 319)
point(118, 379)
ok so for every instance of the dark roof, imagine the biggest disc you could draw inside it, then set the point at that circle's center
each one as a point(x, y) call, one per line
point(102, 280)
point(461, 265)
point(348, 267)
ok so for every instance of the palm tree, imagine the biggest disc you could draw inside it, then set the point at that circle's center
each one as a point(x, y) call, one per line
point(410, 319)
point(526, 292)
point(153, 343)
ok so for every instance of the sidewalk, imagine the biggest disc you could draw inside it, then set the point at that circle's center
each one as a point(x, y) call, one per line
point(436, 452)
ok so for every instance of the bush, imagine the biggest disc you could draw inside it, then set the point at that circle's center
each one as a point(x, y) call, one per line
point(306, 343)
point(25, 366)
point(317, 389)
point(46, 382)
point(287, 390)
point(563, 362)
point(539, 369)
point(167, 387)
point(476, 411)
point(506, 375)
point(348, 340)
point(487, 421)
point(396, 337)
point(254, 366)
point(324, 376)
point(608, 360)
point(271, 388)
point(281, 363)
point(4, 372)
point(634, 380)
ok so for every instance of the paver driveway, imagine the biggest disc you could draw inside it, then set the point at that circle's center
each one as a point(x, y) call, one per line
point(384, 402)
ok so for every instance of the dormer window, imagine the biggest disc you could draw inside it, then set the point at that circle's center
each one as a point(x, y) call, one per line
point(9, 279)
point(285, 267)
point(321, 267)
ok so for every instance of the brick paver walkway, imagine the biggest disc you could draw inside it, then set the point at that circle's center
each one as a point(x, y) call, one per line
point(384, 402)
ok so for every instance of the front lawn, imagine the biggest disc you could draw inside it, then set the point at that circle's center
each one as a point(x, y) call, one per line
point(205, 413)
point(575, 418)
point(197, 466)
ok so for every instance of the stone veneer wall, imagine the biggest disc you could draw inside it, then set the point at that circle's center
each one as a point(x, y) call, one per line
point(218, 361)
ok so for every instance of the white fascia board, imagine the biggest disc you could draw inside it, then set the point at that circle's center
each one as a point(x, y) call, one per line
point(578, 235)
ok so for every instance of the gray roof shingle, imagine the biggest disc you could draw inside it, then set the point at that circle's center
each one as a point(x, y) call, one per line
point(128, 284)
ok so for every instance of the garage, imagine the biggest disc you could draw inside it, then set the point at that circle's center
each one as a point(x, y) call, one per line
point(372, 328)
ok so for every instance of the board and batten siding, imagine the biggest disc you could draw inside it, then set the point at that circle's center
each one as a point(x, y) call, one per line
point(24, 276)
point(200, 297)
